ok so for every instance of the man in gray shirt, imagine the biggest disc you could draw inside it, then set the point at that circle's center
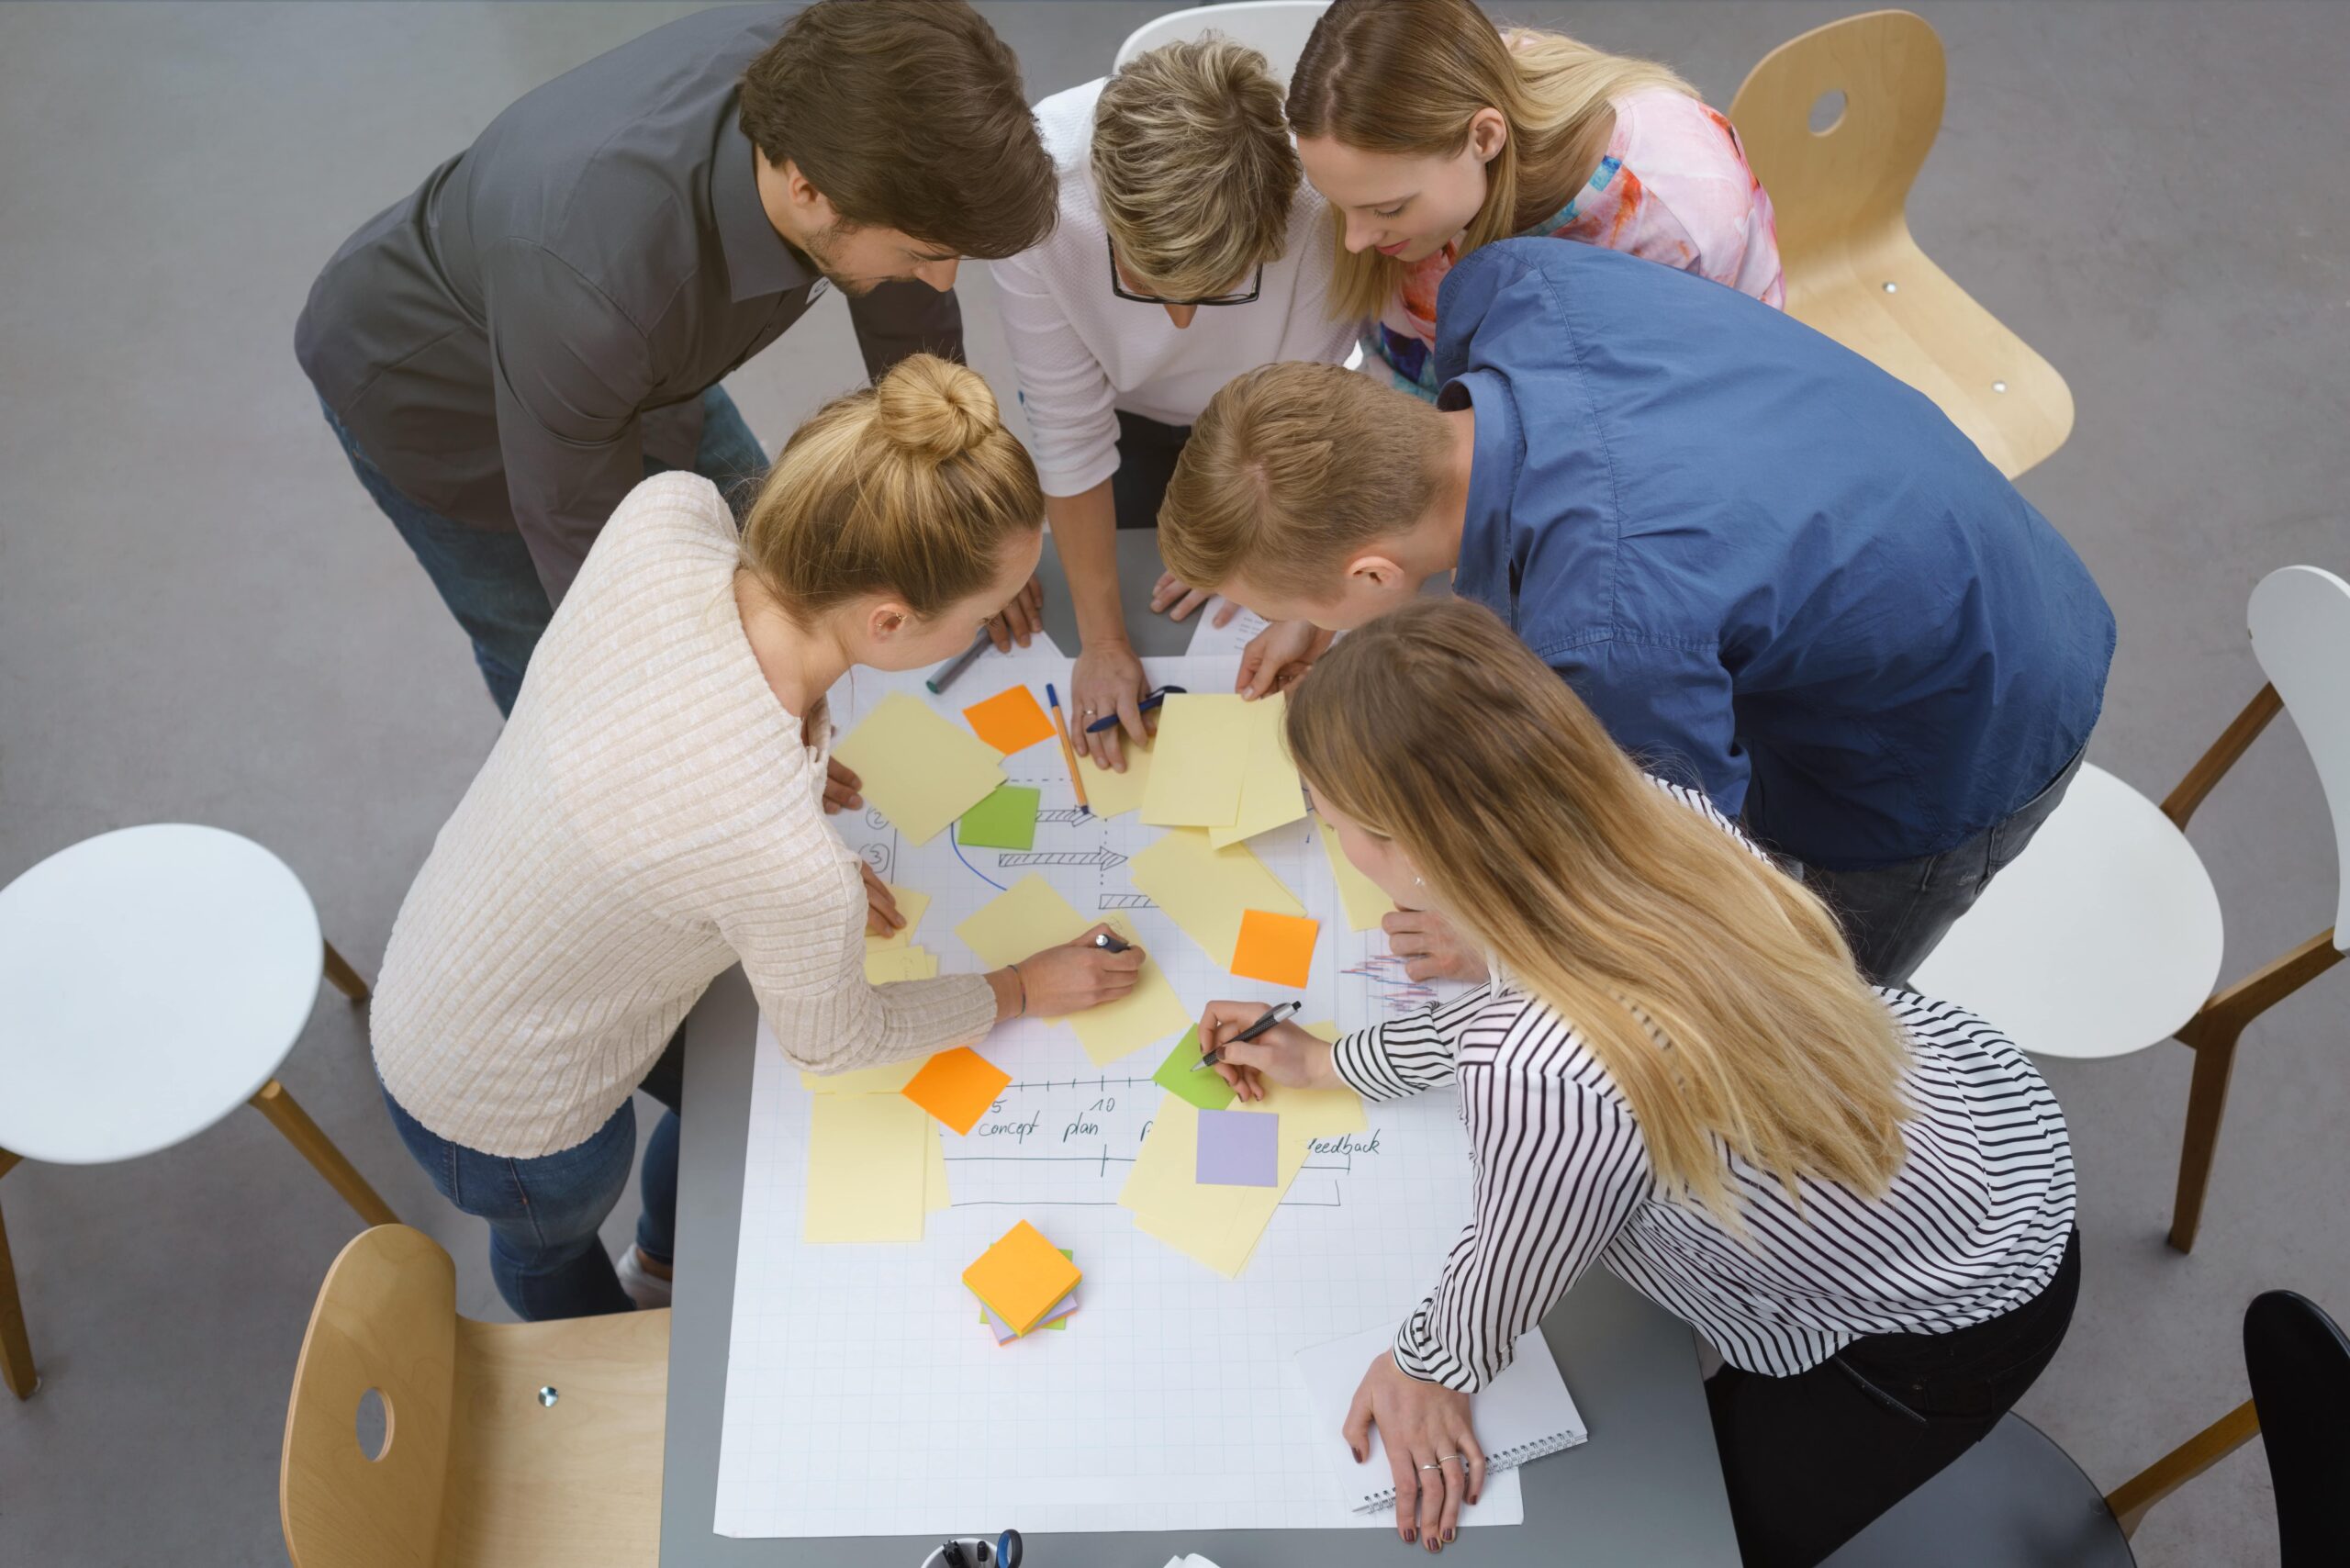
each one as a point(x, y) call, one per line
point(510, 349)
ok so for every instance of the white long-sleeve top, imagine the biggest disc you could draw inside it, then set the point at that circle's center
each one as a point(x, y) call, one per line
point(651, 815)
point(1975, 1223)
point(1081, 352)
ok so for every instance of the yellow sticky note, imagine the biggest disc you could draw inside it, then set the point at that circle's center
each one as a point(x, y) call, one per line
point(1015, 924)
point(1144, 1017)
point(887, 1079)
point(1201, 756)
point(1269, 793)
point(912, 905)
point(1110, 792)
point(1216, 1225)
point(1021, 1277)
point(1205, 889)
point(901, 964)
point(867, 1172)
point(1360, 896)
point(920, 770)
point(935, 1197)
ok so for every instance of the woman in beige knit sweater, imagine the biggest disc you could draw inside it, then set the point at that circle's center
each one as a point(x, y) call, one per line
point(653, 814)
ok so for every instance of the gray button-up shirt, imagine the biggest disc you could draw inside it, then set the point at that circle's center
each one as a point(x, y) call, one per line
point(511, 341)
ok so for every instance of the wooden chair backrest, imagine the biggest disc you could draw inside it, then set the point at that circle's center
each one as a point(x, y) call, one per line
point(2300, 617)
point(1275, 29)
point(385, 1319)
point(1853, 178)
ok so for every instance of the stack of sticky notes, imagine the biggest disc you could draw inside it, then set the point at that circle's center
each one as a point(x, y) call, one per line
point(1023, 1279)
point(1219, 764)
point(1227, 901)
point(918, 769)
point(875, 1167)
point(1057, 1318)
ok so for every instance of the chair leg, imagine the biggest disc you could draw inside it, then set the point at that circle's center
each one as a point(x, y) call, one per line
point(16, 1347)
point(343, 977)
point(2206, 1098)
point(303, 1133)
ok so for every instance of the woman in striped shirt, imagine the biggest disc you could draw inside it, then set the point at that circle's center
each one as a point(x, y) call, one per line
point(1862, 1198)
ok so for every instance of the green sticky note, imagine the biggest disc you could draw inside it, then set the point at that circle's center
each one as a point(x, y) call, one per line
point(1005, 820)
point(1203, 1088)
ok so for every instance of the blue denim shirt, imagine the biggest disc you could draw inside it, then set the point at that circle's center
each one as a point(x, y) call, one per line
point(1770, 568)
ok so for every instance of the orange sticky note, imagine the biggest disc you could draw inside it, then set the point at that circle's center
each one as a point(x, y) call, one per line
point(1021, 1277)
point(957, 1087)
point(1276, 947)
point(1011, 721)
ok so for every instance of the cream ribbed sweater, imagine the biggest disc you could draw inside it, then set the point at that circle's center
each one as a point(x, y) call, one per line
point(649, 817)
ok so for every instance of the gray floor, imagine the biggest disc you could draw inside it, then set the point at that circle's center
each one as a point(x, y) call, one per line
point(202, 617)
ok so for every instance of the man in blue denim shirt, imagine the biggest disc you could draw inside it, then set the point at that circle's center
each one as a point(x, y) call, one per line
point(1772, 571)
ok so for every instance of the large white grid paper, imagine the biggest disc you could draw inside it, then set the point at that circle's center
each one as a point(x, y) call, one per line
point(864, 1397)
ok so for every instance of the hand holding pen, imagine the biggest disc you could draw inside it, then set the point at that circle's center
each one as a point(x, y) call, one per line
point(1247, 1057)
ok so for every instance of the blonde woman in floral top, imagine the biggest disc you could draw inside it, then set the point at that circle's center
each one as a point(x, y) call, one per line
point(1431, 134)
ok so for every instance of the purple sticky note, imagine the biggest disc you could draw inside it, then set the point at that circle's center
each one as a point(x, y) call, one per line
point(1238, 1148)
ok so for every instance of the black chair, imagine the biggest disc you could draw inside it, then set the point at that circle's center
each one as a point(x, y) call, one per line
point(2019, 1501)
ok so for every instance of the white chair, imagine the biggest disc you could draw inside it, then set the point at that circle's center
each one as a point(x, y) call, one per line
point(1274, 29)
point(2104, 937)
point(153, 979)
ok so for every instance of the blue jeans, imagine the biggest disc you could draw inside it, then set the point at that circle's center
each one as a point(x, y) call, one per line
point(544, 1213)
point(486, 575)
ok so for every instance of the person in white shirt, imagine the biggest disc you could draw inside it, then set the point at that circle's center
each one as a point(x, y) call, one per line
point(1189, 250)
point(1862, 1198)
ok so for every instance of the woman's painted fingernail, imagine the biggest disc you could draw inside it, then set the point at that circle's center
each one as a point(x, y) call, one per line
point(1448, 1536)
point(1411, 1534)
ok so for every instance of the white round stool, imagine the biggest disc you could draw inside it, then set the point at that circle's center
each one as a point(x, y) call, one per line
point(152, 980)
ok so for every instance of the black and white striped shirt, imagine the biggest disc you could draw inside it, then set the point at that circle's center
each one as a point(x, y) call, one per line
point(1975, 1223)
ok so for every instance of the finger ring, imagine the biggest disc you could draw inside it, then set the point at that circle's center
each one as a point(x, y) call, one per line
point(1461, 1456)
point(1437, 1465)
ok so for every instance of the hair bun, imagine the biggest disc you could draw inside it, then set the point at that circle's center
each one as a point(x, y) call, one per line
point(935, 408)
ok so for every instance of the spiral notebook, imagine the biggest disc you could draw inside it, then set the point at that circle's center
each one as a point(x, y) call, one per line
point(1520, 1416)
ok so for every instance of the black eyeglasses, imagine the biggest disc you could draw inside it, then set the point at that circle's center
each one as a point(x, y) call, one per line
point(1118, 288)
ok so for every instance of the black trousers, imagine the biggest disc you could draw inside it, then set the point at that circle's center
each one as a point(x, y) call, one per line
point(1147, 454)
point(1809, 1460)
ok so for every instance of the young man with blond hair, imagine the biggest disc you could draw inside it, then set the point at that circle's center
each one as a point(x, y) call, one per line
point(510, 349)
point(1189, 248)
point(1772, 570)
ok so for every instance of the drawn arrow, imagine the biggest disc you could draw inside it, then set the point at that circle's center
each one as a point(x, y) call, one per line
point(1102, 860)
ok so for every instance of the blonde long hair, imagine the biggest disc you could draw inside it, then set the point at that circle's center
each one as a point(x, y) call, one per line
point(911, 486)
point(1406, 76)
point(1716, 992)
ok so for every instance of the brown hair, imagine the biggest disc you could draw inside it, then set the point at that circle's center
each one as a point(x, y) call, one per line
point(909, 487)
point(1290, 465)
point(1194, 167)
point(907, 115)
point(1717, 994)
point(1408, 78)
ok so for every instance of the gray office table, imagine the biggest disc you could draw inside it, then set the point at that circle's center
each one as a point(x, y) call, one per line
point(1647, 1489)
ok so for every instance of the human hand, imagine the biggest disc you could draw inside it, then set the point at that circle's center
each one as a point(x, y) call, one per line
point(841, 787)
point(881, 916)
point(1278, 657)
point(1078, 975)
point(1022, 619)
point(1284, 1053)
point(1431, 947)
point(1171, 590)
point(1108, 679)
point(1431, 1449)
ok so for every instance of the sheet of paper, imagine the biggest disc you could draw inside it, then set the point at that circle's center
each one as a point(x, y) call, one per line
point(1011, 721)
point(1203, 1088)
point(1033, 915)
point(1270, 794)
point(1238, 1149)
point(1205, 889)
point(1276, 947)
point(918, 769)
point(866, 1171)
point(1198, 761)
point(1218, 1227)
point(1005, 820)
point(1111, 793)
point(911, 903)
point(1020, 1276)
point(956, 1086)
point(1210, 639)
point(1026, 916)
point(901, 964)
point(1358, 895)
point(887, 1079)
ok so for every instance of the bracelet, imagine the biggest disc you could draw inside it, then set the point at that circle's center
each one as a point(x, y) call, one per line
point(1022, 1011)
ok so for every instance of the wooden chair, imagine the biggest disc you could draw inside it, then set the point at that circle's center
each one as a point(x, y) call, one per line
point(512, 1444)
point(151, 980)
point(2018, 1500)
point(1852, 270)
point(2104, 937)
point(1274, 29)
